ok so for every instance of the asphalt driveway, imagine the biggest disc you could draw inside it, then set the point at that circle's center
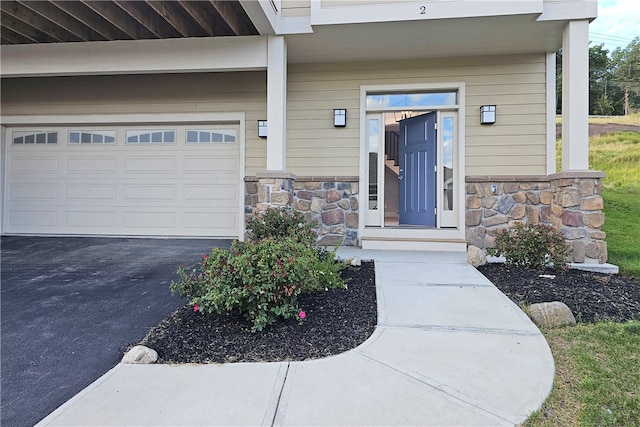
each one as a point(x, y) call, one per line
point(70, 306)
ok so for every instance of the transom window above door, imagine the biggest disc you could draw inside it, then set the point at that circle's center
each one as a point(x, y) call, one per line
point(391, 101)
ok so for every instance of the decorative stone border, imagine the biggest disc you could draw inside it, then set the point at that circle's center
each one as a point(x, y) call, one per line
point(569, 201)
point(330, 201)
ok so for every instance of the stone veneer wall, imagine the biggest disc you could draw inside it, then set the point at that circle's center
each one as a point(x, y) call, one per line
point(330, 201)
point(569, 201)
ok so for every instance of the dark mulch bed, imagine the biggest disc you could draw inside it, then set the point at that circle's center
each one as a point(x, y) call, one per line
point(590, 296)
point(337, 320)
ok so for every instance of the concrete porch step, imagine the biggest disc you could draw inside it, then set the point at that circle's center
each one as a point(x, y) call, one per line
point(413, 244)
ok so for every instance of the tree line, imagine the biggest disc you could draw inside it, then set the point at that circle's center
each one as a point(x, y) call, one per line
point(614, 80)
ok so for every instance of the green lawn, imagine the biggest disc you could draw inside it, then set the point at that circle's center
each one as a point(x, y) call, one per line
point(597, 380)
point(618, 155)
point(622, 225)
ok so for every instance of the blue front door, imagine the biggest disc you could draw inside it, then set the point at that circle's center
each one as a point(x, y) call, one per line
point(417, 178)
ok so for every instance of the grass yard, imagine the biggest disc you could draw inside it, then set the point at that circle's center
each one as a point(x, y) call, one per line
point(622, 225)
point(597, 381)
point(617, 154)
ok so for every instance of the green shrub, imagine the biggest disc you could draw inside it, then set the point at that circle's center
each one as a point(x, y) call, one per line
point(532, 246)
point(281, 223)
point(262, 278)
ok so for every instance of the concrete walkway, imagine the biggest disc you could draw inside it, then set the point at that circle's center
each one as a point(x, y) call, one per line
point(449, 349)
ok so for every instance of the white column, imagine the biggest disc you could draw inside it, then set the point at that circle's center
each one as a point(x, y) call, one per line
point(276, 103)
point(551, 113)
point(575, 96)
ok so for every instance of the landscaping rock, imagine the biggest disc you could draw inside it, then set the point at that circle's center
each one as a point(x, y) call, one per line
point(140, 355)
point(354, 261)
point(551, 314)
point(476, 256)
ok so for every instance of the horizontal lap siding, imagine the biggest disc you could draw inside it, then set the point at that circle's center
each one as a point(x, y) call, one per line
point(296, 8)
point(144, 94)
point(516, 144)
point(314, 146)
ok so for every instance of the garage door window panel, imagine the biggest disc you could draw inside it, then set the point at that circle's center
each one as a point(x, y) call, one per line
point(151, 136)
point(35, 137)
point(92, 137)
point(211, 136)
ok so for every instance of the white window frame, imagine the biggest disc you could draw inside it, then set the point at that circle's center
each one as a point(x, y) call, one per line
point(374, 217)
point(447, 218)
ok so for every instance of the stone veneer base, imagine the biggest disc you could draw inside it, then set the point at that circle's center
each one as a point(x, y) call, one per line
point(569, 201)
point(332, 202)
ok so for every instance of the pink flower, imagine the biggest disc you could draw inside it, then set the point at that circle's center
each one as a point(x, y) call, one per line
point(196, 308)
point(302, 314)
point(204, 257)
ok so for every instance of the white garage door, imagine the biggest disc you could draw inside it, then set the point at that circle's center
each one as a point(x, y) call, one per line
point(134, 180)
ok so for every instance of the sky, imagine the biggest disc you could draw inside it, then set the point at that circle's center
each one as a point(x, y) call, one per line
point(618, 22)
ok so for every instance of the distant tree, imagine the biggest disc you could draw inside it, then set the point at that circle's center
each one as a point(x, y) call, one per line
point(614, 79)
point(625, 68)
point(599, 78)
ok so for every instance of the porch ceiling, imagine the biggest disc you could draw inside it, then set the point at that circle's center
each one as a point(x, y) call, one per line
point(426, 39)
point(30, 22)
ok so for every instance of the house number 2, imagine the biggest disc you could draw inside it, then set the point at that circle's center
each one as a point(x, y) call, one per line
point(423, 10)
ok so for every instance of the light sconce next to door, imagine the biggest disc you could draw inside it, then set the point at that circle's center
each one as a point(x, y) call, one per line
point(487, 114)
point(262, 128)
point(340, 117)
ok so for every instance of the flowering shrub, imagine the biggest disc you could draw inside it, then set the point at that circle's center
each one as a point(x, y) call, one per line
point(262, 278)
point(281, 223)
point(534, 247)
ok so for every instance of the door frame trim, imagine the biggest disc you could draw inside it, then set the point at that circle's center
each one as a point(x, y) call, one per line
point(460, 88)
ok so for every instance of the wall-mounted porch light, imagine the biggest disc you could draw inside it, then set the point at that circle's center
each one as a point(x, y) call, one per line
point(262, 128)
point(339, 117)
point(487, 114)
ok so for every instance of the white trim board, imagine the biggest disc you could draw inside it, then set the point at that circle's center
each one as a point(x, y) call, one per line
point(135, 57)
point(14, 120)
